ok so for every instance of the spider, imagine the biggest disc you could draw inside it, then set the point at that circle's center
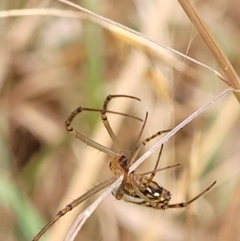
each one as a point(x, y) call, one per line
point(134, 188)
point(142, 190)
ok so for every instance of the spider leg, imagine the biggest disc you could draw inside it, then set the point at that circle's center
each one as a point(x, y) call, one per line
point(83, 138)
point(156, 165)
point(120, 191)
point(155, 170)
point(185, 204)
point(124, 169)
point(144, 142)
point(73, 204)
point(159, 169)
point(141, 131)
point(105, 119)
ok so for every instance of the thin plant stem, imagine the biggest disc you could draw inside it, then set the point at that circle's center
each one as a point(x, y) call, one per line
point(232, 77)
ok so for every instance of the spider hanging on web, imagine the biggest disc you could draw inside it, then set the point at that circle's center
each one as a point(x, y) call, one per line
point(134, 188)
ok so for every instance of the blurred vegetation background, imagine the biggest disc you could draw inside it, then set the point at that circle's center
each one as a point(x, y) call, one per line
point(49, 65)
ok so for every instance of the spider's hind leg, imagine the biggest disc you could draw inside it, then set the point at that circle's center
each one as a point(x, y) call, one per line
point(185, 204)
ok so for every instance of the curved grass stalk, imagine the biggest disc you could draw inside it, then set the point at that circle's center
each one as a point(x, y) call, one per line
point(103, 22)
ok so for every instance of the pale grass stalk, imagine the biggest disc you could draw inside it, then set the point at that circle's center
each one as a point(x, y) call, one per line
point(219, 55)
point(114, 24)
point(40, 12)
point(105, 23)
point(222, 126)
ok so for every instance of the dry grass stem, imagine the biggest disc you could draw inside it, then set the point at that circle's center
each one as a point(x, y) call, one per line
point(232, 77)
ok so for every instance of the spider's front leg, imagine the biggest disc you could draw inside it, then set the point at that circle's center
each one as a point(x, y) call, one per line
point(105, 119)
point(120, 166)
point(120, 191)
